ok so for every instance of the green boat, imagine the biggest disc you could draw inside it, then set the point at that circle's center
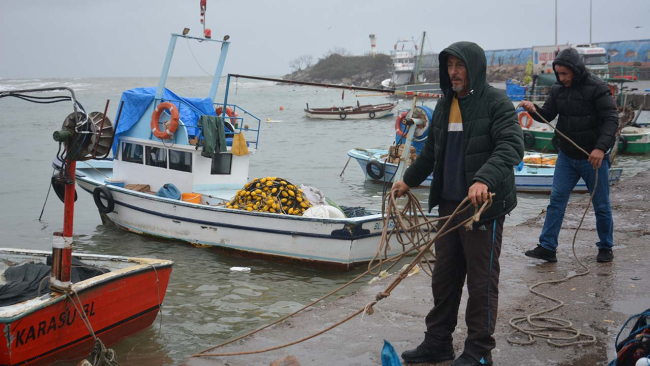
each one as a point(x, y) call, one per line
point(633, 141)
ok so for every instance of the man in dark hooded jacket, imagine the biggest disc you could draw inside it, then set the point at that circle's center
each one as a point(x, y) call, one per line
point(587, 116)
point(474, 142)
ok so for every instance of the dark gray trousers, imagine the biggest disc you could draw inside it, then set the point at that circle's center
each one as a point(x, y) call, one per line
point(473, 254)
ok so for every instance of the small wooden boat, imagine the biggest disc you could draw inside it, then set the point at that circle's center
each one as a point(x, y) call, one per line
point(369, 111)
point(47, 328)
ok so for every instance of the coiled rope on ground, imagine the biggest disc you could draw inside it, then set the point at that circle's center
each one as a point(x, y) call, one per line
point(536, 326)
point(412, 230)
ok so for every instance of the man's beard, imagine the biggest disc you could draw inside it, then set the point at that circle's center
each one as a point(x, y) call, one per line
point(457, 89)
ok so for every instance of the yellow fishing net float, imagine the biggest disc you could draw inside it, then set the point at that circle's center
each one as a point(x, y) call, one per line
point(270, 194)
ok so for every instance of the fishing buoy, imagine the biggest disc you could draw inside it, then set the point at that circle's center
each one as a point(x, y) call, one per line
point(268, 119)
point(643, 361)
point(281, 108)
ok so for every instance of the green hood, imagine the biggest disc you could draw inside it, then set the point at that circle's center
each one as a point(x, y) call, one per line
point(474, 57)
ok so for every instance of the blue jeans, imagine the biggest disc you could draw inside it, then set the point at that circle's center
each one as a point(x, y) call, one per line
point(567, 173)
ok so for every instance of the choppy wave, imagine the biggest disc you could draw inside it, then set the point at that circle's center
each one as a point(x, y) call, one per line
point(9, 85)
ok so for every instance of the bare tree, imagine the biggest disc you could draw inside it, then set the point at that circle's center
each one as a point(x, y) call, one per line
point(295, 64)
point(337, 51)
point(300, 62)
point(307, 60)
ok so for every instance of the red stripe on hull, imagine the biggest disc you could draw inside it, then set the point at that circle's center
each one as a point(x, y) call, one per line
point(116, 309)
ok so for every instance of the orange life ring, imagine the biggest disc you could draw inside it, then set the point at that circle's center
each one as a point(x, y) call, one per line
point(398, 122)
point(155, 121)
point(529, 121)
point(229, 113)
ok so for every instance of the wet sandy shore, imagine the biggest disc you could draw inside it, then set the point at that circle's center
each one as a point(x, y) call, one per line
point(598, 303)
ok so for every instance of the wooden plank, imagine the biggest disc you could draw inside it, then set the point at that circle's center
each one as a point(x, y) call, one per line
point(138, 187)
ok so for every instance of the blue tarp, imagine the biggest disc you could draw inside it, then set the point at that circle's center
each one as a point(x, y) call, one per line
point(515, 91)
point(136, 102)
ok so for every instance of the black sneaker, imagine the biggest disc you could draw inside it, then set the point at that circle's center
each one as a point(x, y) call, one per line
point(541, 253)
point(467, 360)
point(423, 354)
point(605, 255)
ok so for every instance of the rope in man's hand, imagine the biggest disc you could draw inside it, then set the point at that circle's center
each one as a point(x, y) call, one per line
point(412, 229)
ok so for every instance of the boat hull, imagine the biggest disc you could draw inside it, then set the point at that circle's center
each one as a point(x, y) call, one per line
point(118, 303)
point(336, 117)
point(530, 179)
point(637, 143)
point(338, 244)
point(358, 112)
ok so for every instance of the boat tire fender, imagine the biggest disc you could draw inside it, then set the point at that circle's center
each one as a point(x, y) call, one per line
point(110, 202)
point(343, 115)
point(529, 120)
point(529, 139)
point(555, 142)
point(371, 115)
point(379, 167)
point(623, 142)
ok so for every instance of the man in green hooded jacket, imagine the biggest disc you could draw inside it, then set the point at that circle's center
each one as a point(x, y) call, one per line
point(474, 142)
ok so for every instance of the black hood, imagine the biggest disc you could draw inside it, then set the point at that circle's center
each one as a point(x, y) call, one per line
point(475, 61)
point(571, 58)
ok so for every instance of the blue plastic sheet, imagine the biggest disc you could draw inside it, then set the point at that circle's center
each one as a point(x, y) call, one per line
point(514, 91)
point(388, 355)
point(136, 101)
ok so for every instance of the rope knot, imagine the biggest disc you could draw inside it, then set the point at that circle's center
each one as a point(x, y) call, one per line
point(381, 295)
point(368, 309)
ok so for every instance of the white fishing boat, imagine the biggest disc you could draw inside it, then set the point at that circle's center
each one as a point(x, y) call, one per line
point(529, 177)
point(125, 188)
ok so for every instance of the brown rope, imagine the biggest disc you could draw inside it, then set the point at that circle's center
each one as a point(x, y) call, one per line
point(546, 326)
point(406, 221)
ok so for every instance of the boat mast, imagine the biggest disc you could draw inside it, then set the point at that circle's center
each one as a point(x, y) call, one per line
point(419, 64)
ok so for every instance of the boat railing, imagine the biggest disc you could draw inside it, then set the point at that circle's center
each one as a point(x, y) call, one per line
point(180, 104)
point(239, 125)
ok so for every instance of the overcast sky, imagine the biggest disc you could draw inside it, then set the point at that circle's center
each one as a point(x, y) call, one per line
point(113, 38)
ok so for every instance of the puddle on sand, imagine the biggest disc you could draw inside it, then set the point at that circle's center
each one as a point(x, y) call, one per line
point(631, 306)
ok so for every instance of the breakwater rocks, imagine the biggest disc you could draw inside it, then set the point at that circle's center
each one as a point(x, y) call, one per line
point(369, 71)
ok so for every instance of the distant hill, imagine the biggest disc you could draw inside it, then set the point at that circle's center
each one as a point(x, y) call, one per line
point(367, 71)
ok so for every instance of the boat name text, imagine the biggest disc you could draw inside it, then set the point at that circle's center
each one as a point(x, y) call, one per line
point(25, 335)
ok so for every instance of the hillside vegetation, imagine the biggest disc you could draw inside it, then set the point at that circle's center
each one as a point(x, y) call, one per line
point(349, 70)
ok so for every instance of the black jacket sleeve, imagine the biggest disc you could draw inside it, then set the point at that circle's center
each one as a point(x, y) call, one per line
point(607, 116)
